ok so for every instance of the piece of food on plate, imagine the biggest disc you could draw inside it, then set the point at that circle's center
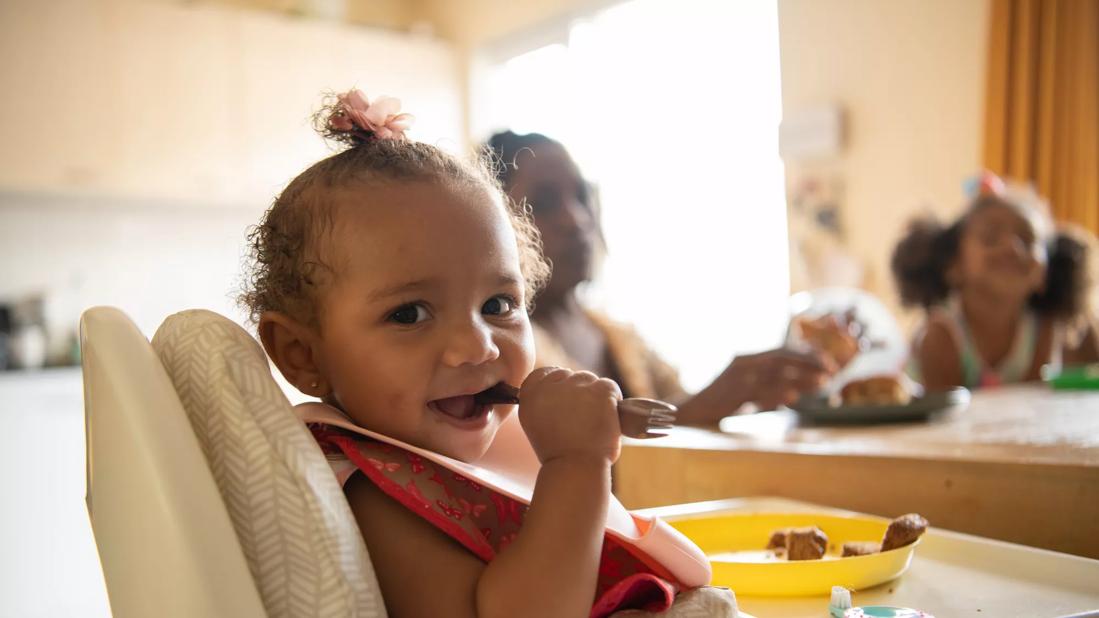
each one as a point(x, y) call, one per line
point(903, 530)
point(860, 548)
point(778, 539)
point(884, 390)
point(806, 543)
point(830, 335)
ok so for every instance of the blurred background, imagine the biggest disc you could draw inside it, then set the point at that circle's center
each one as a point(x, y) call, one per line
point(742, 151)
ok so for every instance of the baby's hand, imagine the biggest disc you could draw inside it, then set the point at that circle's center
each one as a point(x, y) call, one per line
point(570, 413)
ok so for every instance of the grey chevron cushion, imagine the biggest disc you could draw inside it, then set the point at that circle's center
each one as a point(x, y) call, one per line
point(301, 541)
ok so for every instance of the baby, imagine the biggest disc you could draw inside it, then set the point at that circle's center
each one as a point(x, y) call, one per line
point(392, 281)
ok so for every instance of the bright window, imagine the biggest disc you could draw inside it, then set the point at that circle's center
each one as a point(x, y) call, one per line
point(672, 108)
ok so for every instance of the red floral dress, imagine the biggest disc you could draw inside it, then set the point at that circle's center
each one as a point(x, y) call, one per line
point(485, 521)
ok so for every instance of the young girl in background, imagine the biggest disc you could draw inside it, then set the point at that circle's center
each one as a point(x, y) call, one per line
point(392, 282)
point(1005, 292)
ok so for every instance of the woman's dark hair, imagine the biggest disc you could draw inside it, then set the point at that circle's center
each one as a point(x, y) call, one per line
point(503, 150)
point(925, 253)
point(505, 147)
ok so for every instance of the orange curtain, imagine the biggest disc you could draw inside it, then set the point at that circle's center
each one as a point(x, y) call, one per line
point(1042, 116)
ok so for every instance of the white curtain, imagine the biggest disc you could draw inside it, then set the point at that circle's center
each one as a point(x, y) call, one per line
point(672, 108)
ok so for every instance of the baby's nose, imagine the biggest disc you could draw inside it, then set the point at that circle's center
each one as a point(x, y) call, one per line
point(470, 343)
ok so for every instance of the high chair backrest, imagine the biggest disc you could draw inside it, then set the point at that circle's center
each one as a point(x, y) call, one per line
point(164, 537)
point(299, 537)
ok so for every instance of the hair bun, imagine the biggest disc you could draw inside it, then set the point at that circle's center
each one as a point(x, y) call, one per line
point(352, 119)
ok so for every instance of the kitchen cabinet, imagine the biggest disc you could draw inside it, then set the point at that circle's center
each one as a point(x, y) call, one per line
point(192, 103)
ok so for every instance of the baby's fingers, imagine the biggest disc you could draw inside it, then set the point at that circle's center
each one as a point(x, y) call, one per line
point(546, 375)
point(582, 378)
point(610, 386)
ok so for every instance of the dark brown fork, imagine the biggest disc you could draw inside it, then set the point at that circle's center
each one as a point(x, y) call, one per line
point(638, 417)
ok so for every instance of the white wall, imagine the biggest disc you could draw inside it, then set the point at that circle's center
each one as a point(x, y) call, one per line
point(149, 257)
point(911, 76)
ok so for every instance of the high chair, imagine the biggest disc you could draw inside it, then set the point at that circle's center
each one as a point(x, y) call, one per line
point(164, 537)
point(206, 495)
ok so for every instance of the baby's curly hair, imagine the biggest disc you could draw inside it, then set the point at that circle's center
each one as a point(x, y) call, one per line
point(286, 266)
point(925, 253)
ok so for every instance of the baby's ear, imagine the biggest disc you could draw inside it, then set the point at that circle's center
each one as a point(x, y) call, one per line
point(290, 344)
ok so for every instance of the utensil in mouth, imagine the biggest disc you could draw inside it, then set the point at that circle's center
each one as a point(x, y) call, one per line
point(638, 417)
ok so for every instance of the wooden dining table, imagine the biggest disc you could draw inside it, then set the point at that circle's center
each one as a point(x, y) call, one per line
point(1019, 464)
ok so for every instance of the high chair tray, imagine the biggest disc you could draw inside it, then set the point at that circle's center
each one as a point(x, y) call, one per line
point(735, 542)
point(818, 409)
point(952, 574)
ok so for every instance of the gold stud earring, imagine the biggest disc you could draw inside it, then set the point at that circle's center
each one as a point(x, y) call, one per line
point(313, 384)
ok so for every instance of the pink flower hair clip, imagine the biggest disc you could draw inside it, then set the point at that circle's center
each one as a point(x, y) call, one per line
point(989, 183)
point(382, 118)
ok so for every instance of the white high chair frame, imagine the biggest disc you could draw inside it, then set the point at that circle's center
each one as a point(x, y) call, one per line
point(164, 536)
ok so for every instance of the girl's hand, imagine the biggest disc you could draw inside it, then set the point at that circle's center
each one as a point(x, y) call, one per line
point(569, 413)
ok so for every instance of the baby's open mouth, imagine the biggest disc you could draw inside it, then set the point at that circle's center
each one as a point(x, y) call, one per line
point(461, 407)
point(501, 392)
point(465, 407)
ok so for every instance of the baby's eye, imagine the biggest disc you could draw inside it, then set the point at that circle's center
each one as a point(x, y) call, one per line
point(411, 313)
point(500, 305)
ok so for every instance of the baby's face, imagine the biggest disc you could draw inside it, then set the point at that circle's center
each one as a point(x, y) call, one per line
point(426, 309)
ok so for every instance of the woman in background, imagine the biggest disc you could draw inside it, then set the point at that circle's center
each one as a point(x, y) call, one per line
point(537, 169)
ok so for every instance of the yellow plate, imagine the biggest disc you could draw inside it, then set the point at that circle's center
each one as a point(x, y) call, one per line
point(724, 536)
